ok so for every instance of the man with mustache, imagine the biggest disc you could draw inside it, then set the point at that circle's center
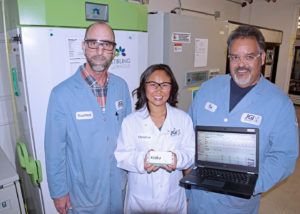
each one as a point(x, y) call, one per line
point(246, 99)
point(84, 116)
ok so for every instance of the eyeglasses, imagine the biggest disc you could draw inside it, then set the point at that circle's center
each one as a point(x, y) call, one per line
point(248, 59)
point(105, 45)
point(164, 85)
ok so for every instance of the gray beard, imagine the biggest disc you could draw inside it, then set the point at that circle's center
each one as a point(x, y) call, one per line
point(241, 82)
point(99, 68)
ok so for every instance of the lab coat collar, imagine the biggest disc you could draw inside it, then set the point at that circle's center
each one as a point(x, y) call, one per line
point(261, 84)
point(80, 83)
point(144, 110)
point(258, 88)
point(252, 95)
point(144, 113)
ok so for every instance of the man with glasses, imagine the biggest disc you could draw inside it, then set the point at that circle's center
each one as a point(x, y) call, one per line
point(84, 116)
point(246, 99)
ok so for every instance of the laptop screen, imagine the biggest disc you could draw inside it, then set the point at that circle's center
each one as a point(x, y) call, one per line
point(227, 146)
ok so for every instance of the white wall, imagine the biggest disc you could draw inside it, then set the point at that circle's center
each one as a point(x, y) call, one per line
point(282, 15)
point(229, 11)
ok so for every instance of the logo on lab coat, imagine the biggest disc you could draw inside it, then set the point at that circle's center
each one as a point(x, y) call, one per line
point(210, 107)
point(119, 104)
point(251, 119)
point(174, 132)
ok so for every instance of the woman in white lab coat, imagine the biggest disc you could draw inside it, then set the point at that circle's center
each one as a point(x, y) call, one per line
point(156, 126)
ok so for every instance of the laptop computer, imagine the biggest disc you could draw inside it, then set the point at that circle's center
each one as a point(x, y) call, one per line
point(226, 160)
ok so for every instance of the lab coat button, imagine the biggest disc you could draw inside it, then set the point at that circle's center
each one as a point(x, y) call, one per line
point(225, 120)
point(107, 139)
point(104, 119)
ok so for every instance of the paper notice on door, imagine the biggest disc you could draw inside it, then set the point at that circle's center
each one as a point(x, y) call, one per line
point(268, 69)
point(179, 37)
point(75, 53)
point(201, 50)
point(177, 47)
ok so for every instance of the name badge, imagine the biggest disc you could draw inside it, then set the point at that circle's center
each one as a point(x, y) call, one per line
point(119, 104)
point(210, 107)
point(84, 115)
point(251, 119)
point(144, 137)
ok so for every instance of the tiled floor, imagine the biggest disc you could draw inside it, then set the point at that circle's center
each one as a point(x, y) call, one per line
point(284, 198)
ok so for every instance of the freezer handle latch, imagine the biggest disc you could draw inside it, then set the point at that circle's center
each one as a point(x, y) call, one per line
point(16, 38)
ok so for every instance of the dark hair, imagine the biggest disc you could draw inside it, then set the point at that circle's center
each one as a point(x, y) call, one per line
point(141, 92)
point(99, 23)
point(246, 31)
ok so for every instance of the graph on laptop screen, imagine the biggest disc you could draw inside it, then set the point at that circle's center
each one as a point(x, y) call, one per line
point(227, 148)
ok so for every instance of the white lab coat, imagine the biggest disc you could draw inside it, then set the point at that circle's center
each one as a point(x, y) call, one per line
point(157, 192)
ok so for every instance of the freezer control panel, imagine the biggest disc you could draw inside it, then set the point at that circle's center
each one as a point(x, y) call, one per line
point(195, 78)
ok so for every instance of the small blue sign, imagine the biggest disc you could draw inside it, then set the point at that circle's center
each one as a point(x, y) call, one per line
point(96, 12)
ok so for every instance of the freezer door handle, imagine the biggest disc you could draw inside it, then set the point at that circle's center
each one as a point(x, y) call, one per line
point(22, 154)
point(15, 81)
point(33, 167)
point(39, 171)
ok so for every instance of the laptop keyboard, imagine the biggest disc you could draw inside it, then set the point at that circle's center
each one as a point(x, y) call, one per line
point(236, 177)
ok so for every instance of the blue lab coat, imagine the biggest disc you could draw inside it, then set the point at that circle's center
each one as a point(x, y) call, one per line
point(265, 107)
point(79, 143)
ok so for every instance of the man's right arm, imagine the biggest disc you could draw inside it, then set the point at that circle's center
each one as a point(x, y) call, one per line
point(62, 204)
point(55, 145)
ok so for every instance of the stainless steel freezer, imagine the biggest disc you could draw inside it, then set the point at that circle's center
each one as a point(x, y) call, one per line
point(11, 200)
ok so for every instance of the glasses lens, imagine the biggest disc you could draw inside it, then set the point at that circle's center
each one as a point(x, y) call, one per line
point(246, 59)
point(165, 86)
point(234, 58)
point(92, 44)
point(106, 45)
point(156, 85)
point(153, 85)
